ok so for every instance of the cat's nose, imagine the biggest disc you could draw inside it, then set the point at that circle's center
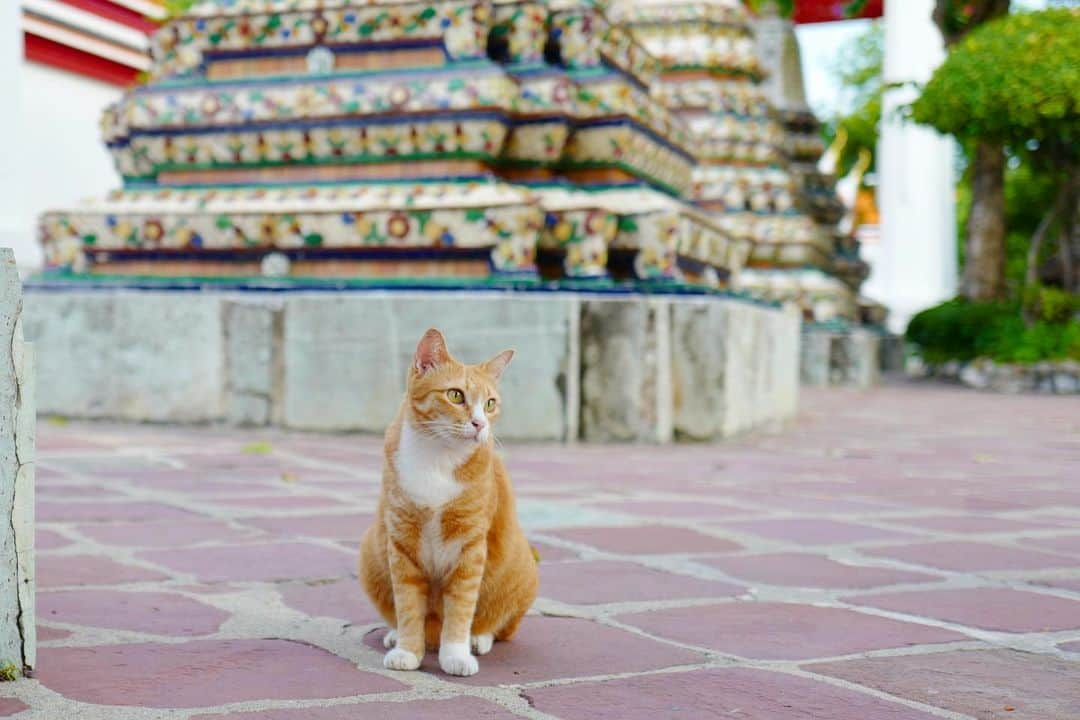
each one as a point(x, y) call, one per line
point(479, 424)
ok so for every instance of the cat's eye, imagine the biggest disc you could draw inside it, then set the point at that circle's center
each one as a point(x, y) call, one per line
point(455, 396)
point(490, 405)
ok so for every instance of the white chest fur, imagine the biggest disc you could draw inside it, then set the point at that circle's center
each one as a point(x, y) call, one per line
point(425, 471)
point(425, 468)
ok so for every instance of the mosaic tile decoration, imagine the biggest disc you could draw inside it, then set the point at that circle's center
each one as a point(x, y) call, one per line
point(298, 137)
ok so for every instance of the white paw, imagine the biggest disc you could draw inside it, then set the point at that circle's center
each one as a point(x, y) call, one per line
point(481, 644)
point(455, 659)
point(398, 659)
point(389, 640)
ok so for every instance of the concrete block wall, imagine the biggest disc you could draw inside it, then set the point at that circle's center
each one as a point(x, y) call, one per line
point(609, 369)
point(851, 357)
point(18, 640)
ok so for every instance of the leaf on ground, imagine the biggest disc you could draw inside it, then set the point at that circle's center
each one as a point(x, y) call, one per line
point(258, 448)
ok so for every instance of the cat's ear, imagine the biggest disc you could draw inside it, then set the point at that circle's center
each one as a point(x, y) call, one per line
point(431, 352)
point(497, 364)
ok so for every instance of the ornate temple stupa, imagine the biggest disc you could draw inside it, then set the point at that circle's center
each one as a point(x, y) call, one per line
point(463, 142)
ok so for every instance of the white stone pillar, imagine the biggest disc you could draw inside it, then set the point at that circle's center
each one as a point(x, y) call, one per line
point(917, 265)
point(17, 422)
point(15, 228)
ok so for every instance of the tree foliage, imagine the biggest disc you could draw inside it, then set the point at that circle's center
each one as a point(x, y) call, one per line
point(859, 68)
point(1015, 80)
point(786, 7)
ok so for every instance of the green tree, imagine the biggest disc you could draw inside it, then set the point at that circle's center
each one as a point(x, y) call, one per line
point(859, 69)
point(1013, 83)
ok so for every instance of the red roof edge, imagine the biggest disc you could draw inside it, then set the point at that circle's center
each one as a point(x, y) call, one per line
point(47, 52)
point(117, 13)
point(819, 11)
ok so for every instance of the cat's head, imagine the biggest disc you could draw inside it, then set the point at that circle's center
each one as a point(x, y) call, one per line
point(452, 401)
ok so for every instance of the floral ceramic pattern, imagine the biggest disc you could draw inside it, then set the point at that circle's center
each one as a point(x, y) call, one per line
point(613, 96)
point(655, 237)
point(738, 189)
point(584, 235)
point(587, 40)
point(727, 12)
point(739, 98)
point(460, 26)
point(544, 94)
point(259, 103)
point(511, 232)
point(625, 147)
point(539, 143)
point(660, 238)
point(146, 155)
point(706, 46)
point(523, 25)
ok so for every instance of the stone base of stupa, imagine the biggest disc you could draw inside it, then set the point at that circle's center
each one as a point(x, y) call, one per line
point(603, 366)
point(822, 297)
point(840, 354)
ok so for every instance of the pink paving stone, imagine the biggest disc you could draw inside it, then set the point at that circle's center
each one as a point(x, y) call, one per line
point(47, 491)
point(333, 527)
point(973, 556)
point(49, 540)
point(64, 570)
point(546, 648)
point(552, 553)
point(721, 693)
point(266, 562)
point(458, 708)
point(279, 502)
point(978, 683)
point(149, 612)
point(1062, 543)
point(813, 531)
point(802, 504)
point(670, 508)
point(784, 631)
point(11, 706)
point(212, 488)
point(811, 571)
point(1063, 583)
point(51, 511)
point(45, 634)
point(646, 540)
point(606, 581)
point(989, 608)
point(343, 599)
point(203, 673)
point(968, 523)
point(166, 533)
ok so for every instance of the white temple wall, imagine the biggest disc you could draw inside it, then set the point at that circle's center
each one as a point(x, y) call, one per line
point(59, 158)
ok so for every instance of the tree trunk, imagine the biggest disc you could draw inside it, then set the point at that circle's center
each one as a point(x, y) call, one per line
point(984, 266)
point(1069, 280)
point(1031, 276)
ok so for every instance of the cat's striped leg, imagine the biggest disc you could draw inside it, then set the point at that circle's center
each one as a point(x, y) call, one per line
point(459, 606)
point(410, 604)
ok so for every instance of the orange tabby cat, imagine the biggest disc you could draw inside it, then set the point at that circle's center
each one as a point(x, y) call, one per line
point(445, 562)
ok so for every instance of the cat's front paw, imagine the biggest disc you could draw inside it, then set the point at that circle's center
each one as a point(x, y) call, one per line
point(481, 644)
point(399, 659)
point(455, 659)
point(389, 639)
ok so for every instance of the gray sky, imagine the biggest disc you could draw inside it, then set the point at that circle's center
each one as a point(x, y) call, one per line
point(820, 46)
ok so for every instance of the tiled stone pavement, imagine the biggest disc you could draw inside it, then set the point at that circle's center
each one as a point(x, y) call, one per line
point(909, 552)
